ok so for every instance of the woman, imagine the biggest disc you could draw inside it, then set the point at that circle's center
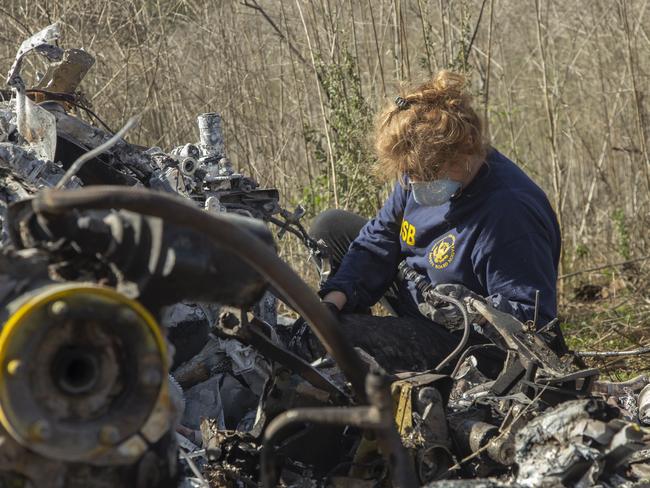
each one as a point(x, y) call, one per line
point(460, 213)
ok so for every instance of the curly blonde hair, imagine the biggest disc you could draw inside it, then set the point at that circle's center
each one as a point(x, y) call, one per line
point(433, 124)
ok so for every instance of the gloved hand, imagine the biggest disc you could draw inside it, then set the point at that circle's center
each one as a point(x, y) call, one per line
point(304, 342)
point(447, 314)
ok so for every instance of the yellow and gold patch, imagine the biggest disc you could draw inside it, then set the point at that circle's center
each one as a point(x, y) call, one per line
point(443, 251)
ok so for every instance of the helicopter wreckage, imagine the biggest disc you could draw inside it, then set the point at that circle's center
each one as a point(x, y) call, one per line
point(141, 343)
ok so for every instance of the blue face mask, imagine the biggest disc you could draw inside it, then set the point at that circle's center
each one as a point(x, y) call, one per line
point(434, 193)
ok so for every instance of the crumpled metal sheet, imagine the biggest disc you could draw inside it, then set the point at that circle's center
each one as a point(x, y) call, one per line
point(578, 443)
point(44, 37)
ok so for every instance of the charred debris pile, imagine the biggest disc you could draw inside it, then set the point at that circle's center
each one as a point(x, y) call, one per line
point(141, 345)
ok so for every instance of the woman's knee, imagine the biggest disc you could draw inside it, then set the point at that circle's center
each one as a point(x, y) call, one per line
point(334, 223)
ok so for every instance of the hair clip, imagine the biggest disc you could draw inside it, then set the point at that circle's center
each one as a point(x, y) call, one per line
point(401, 103)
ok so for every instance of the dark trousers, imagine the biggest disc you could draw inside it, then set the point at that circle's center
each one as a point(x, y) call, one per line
point(408, 342)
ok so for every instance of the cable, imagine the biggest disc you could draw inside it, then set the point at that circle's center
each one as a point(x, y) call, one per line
point(225, 232)
point(466, 330)
point(72, 100)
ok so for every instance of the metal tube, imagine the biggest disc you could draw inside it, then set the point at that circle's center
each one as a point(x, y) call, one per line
point(612, 354)
point(210, 131)
point(364, 417)
point(466, 353)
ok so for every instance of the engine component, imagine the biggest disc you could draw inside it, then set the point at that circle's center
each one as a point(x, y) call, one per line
point(211, 135)
point(85, 379)
point(474, 436)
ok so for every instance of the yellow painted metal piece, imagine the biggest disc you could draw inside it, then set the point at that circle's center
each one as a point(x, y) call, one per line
point(402, 397)
point(49, 297)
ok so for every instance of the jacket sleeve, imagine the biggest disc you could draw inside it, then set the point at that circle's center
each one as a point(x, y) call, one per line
point(514, 272)
point(370, 264)
point(518, 257)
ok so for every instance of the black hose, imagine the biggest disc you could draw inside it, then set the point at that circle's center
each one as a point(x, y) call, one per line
point(466, 329)
point(406, 272)
point(224, 232)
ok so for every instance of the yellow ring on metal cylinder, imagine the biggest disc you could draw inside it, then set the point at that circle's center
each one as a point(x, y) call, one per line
point(49, 295)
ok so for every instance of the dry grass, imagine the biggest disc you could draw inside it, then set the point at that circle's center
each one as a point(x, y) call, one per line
point(562, 84)
point(609, 310)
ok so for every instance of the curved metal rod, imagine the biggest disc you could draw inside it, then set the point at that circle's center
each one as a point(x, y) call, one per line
point(612, 354)
point(377, 417)
point(463, 340)
point(224, 232)
point(364, 417)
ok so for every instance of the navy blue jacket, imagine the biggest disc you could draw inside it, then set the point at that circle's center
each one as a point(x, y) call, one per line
point(499, 237)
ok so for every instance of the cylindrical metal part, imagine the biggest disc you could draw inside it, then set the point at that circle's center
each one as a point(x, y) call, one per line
point(502, 449)
point(188, 166)
point(430, 406)
point(433, 462)
point(71, 351)
point(472, 435)
point(210, 132)
point(379, 417)
point(644, 405)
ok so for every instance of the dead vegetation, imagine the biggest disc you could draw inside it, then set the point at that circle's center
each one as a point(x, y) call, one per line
point(562, 86)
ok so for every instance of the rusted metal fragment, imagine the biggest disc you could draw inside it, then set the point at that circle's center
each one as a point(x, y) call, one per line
point(64, 75)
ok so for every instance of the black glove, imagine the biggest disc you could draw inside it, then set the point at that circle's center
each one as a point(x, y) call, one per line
point(303, 341)
point(448, 314)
